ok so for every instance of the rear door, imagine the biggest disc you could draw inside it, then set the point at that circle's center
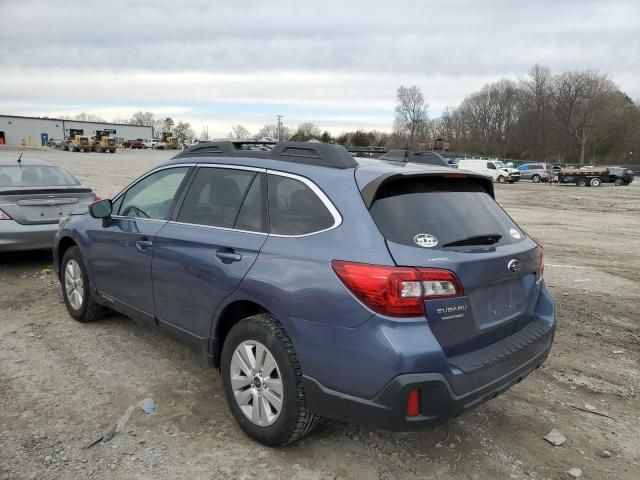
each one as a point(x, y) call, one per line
point(498, 269)
point(203, 254)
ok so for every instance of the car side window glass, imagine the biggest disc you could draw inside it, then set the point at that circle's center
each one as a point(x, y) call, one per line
point(294, 209)
point(152, 196)
point(491, 166)
point(252, 214)
point(215, 197)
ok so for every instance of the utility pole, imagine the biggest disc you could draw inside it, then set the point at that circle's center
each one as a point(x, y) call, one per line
point(279, 117)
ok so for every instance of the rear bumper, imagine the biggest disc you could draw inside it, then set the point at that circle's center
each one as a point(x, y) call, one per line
point(485, 378)
point(15, 236)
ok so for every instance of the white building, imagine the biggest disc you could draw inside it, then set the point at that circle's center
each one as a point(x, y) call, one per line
point(33, 131)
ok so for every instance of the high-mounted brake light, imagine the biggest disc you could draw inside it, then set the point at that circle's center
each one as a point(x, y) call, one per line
point(396, 291)
point(4, 215)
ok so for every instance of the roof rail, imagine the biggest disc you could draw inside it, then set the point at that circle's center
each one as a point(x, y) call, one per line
point(319, 154)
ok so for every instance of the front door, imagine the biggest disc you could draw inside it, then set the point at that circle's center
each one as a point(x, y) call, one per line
point(120, 250)
point(202, 256)
point(44, 138)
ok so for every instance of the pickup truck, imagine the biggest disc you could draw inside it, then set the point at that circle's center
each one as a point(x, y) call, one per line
point(151, 143)
point(132, 144)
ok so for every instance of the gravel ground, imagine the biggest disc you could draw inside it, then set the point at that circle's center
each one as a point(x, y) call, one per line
point(63, 384)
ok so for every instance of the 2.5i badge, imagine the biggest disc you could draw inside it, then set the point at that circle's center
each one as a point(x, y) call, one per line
point(425, 240)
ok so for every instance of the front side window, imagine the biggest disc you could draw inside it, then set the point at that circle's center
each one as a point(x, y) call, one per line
point(294, 209)
point(216, 196)
point(491, 166)
point(152, 196)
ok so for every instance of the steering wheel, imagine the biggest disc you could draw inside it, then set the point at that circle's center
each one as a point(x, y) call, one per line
point(133, 208)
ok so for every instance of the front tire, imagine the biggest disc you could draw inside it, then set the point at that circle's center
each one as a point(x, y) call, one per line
point(263, 382)
point(502, 179)
point(75, 288)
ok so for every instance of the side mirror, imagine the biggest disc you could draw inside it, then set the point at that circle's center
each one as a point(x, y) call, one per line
point(101, 208)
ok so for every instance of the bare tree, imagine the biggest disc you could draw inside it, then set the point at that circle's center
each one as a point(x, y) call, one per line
point(183, 131)
point(146, 119)
point(167, 124)
point(270, 130)
point(240, 132)
point(306, 131)
point(411, 112)
point(205, 133)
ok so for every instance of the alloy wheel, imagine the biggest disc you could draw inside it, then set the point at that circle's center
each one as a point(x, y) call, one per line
point(73, 284)
point(256, 383)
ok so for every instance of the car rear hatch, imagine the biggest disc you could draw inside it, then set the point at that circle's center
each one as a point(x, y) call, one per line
point(450, 221)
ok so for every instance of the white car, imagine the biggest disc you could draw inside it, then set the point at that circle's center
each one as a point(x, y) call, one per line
point(492, 168)
point(151, 143)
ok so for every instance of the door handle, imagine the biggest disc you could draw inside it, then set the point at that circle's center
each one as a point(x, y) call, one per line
point(228, 255)
point(142, 245)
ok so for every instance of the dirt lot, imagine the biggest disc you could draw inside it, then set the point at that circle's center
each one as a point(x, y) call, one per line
point(63, 383)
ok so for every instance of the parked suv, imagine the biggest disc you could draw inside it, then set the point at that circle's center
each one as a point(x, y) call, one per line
point(536, 172)
point(392, 296)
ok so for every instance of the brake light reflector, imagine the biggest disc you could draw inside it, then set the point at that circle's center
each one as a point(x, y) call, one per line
point(396, 291)
point(413, 403)
point(4, 215)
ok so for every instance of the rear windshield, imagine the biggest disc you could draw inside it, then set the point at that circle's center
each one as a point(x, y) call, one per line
point(432, 212)
point(35, 176)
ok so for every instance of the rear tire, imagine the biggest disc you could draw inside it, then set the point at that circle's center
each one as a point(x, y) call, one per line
point(75, 288)
point(581, 183)
point(595, 182)
point(241, 363)
point(535, 179)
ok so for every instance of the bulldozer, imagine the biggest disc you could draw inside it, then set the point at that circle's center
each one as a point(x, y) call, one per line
point(76, 141)
point(102, 142)
point(170, 142)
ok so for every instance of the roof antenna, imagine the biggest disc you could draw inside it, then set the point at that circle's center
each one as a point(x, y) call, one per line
point(20, 161)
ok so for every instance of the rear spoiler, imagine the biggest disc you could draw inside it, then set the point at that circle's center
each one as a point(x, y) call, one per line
point(369, 191)
point(44, 191)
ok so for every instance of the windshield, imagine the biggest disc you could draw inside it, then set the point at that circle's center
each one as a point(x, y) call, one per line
point(434, 212)
point(500, 164)
point(35, 176)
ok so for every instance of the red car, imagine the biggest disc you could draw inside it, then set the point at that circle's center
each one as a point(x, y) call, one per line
point(132, 144)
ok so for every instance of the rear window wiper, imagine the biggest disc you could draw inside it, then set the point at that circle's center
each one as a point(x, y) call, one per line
point(487, 239)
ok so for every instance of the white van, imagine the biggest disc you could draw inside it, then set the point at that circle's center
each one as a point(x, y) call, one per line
point(493, 168)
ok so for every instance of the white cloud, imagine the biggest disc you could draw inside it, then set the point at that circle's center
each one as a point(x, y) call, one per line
point(336, 62)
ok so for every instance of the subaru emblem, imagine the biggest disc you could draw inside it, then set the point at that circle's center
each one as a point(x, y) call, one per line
point(514, 265)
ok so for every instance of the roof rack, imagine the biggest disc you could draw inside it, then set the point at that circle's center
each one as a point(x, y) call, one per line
point(405, 155)
point(319, 154)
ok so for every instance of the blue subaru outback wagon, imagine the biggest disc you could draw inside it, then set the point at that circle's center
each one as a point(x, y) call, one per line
point(392, 295)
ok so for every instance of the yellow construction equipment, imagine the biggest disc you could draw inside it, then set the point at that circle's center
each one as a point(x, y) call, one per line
point(102, 142)
point(169, 141)
point(76, 141)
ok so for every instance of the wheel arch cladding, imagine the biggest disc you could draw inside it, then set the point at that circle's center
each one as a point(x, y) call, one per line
point(228, 317)
point(65, 244)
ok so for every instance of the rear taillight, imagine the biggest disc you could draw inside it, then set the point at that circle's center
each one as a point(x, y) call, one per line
point(541, 266)
point(96, 197)
point(4, 215)
point(396, 291)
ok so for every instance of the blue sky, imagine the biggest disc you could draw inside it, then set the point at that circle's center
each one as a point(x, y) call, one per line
point(336, 63)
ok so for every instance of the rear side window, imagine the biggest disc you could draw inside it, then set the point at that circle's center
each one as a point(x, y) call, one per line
point(215, 197)
point(441, 210)
point(294, 209)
